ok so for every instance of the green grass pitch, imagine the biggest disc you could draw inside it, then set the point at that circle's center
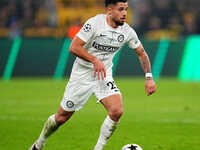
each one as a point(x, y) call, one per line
point(167, 120)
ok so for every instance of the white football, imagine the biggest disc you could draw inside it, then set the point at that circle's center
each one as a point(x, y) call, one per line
point(131, 147)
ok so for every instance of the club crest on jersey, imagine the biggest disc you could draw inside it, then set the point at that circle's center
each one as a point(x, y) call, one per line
point(120, 38)
point(69, 104)
point(87, 27)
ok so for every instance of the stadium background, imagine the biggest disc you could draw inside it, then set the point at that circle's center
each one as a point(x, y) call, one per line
point(35, 36)
point(35, 65)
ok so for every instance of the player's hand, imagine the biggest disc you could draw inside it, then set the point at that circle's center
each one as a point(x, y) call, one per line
point(150, 86)
point(99, 69)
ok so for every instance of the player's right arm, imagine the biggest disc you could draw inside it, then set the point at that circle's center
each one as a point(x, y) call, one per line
point(77, 49)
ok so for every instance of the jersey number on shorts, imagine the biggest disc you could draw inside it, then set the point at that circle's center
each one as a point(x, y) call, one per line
point(112, 85)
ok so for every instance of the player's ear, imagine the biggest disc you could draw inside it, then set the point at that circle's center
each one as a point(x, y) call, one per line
point(109, 10)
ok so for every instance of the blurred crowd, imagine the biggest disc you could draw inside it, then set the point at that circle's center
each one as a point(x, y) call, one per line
point(152, 19)
point(173, 18)
point(18, 15)
point(28, 13)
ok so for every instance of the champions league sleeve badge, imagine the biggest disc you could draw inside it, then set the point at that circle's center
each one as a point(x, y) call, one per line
point(87, 27)
point(120, 38)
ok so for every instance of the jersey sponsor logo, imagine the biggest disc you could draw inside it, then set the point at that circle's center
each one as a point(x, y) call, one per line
point(87, 27)
point(120, 38)
point(104, 48)
point(69, 104)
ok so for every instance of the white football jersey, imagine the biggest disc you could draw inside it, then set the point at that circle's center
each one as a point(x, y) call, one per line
point(103, 41)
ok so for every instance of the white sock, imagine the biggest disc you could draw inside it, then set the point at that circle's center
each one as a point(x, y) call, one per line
point(107, 129)
point(49, 127)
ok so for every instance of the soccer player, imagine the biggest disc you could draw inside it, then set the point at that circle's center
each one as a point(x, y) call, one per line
point(95, 46)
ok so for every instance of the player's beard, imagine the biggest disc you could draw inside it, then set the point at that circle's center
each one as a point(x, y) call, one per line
point(118, 23)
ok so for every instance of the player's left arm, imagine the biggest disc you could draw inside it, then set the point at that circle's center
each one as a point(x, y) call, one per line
point(150, 86)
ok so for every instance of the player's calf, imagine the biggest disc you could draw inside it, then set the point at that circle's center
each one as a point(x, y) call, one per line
point(107, 129)
point(51, 125)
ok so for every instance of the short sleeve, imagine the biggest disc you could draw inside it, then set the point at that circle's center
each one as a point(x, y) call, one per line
point(133, 41)
point(87, 30)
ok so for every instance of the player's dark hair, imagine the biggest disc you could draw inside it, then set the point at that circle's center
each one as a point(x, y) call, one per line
point(108, 2)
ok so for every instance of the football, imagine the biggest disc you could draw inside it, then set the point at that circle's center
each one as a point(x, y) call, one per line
point(131, 147)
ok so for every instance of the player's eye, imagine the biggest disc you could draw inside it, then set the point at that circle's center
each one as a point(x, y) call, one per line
point(121, 9)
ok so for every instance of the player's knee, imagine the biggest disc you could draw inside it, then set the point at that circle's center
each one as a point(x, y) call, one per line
point(115, 114)
point(62, 116)
point(60, 120)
